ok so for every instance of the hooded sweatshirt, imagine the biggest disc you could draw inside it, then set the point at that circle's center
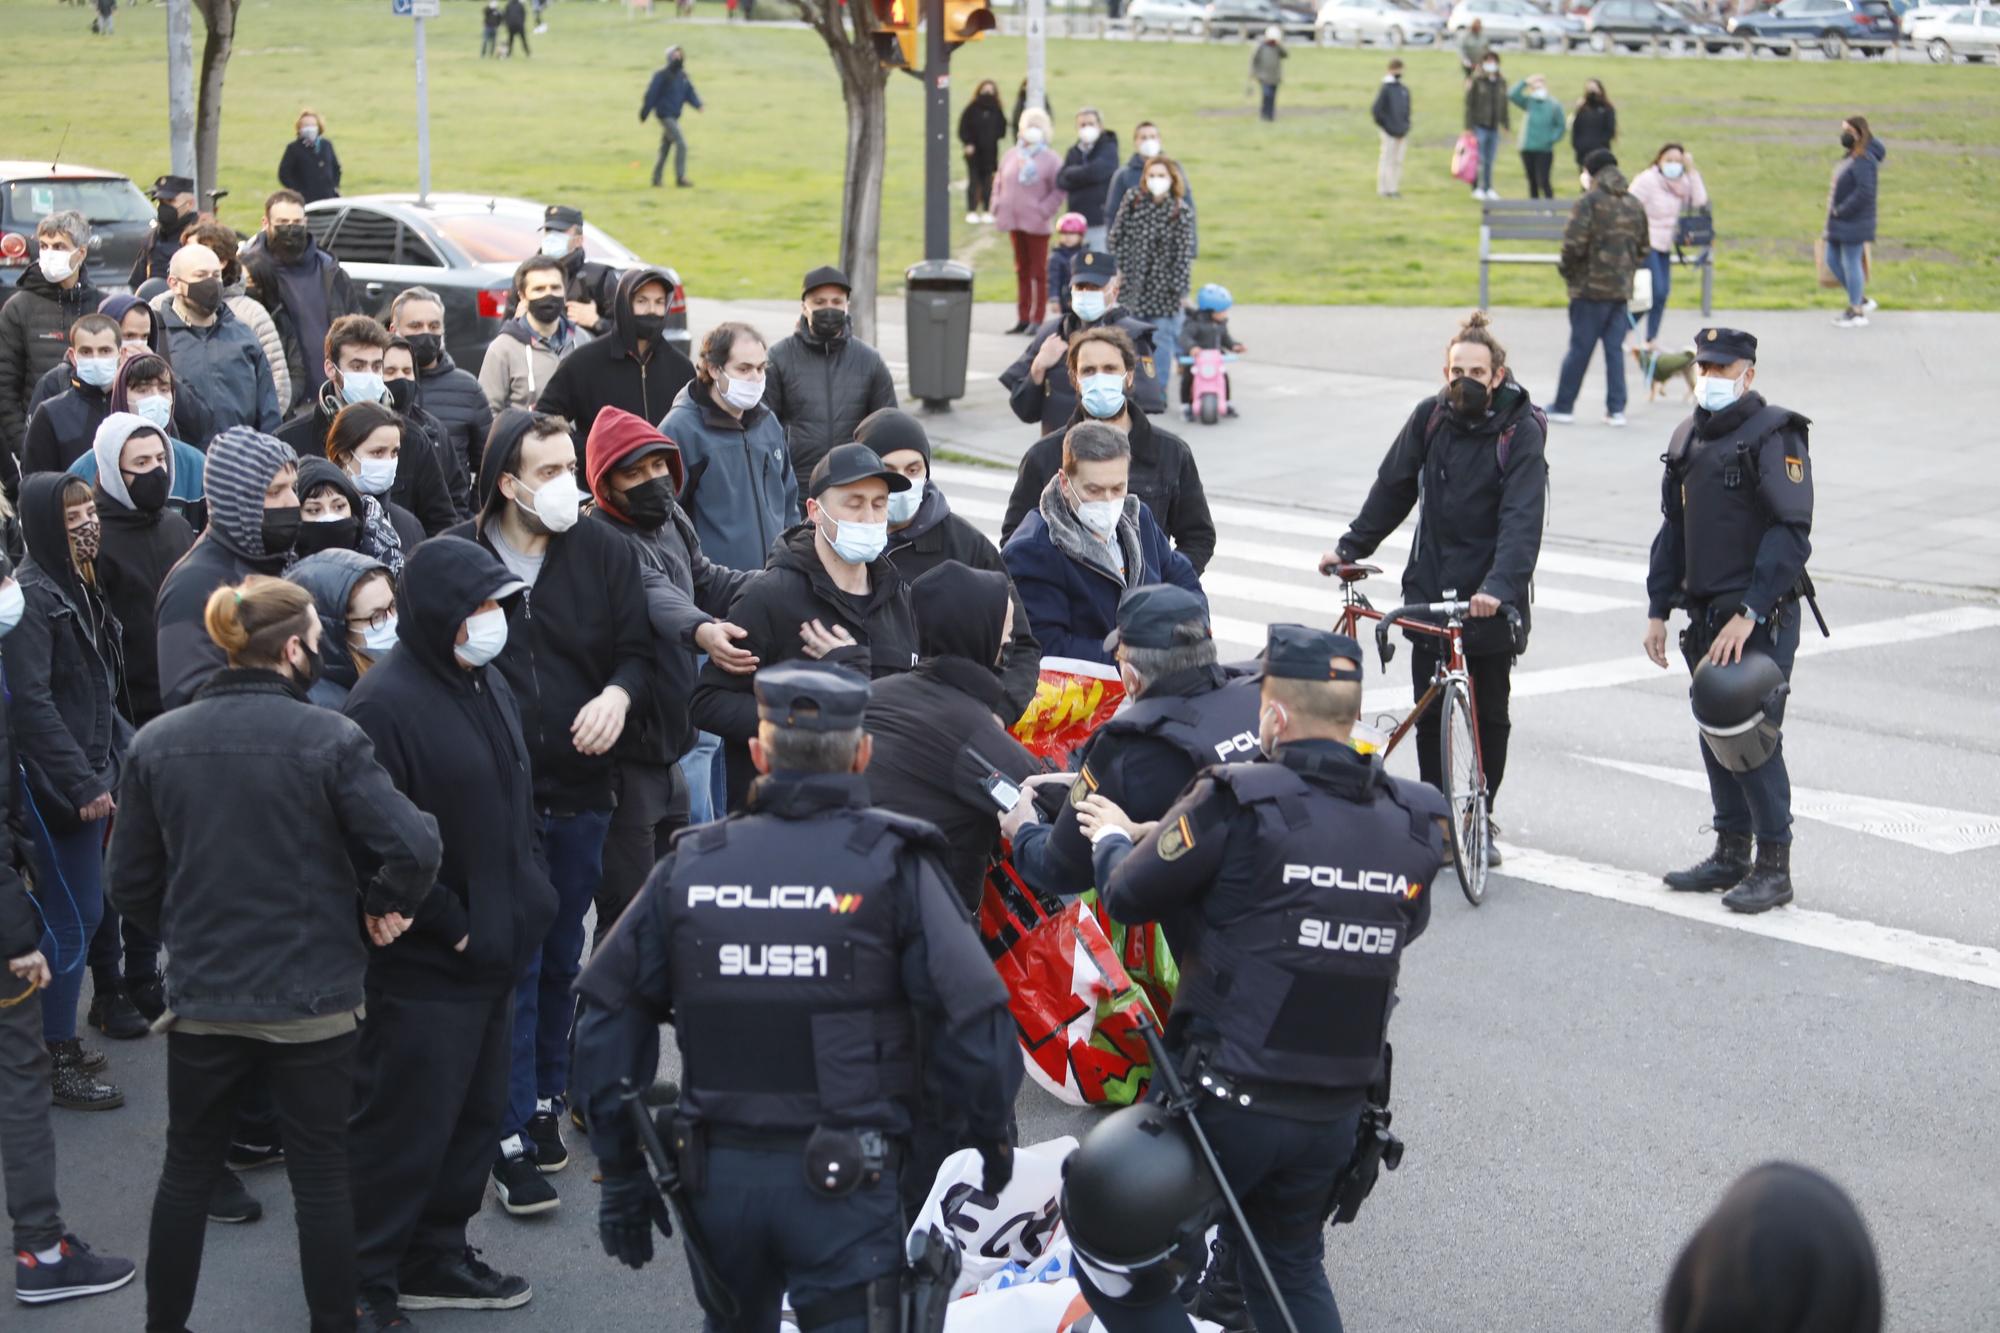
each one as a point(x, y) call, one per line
point(383, 529)
point(137, 549)
point(184, 493)
point(242, 463)
point(451, 741)
point(1605, 241)
point(608, 371)
point(581, 629)
point(330, 577)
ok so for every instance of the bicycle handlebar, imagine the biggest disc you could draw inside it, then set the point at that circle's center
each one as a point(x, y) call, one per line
point(1454, 613)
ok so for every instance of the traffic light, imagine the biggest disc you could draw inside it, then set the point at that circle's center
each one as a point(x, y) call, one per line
point(966, 20)
point(896, 34)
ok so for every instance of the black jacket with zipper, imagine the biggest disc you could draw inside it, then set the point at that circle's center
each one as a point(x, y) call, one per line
point(20, 918)
point(821, 388)
point(607, 371)
point(454, 400)
point(135, 554)
point(420, 485)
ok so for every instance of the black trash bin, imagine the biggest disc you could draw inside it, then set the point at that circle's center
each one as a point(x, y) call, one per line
point(938, 312)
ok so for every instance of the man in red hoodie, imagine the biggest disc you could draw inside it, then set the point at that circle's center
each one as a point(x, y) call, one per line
point(634, 474)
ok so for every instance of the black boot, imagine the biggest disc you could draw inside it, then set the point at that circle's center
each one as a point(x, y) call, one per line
point(1724, 869)
point(148, 995)
point(112, 1013)
point(73, 1086)
point(1769, 885)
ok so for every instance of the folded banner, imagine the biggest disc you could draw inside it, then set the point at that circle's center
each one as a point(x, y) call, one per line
point(1073, 699)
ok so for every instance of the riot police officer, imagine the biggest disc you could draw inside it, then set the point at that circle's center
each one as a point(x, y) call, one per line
point(1189, 713)
point(1737, 524)
point(1288, 889)
point(798, 948)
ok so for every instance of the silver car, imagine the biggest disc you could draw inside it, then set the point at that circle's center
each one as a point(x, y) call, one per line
point(1188, 16)
point(1516, 21)
point(1387, 22)
point(1953, 31)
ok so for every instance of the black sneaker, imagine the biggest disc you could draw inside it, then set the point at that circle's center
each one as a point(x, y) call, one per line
point(228, 1201)
point(73, 1087)
point(545, 1141)
point(377, 1312)
point(78, 1273)
point(461, 1282)
point(518, 1184)
point(148, 994)
point(112, 1013)
point(244, 1156)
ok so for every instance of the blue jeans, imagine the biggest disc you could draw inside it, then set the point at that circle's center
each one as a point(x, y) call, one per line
point(1660, 263)
point(1759, 801)
point(1845, 261)
point(1591, 323)
point(571, 851)
point(1166, 348)
point(1269, 111)
point(708, 790)
point(1489, 148)
point(69, 888)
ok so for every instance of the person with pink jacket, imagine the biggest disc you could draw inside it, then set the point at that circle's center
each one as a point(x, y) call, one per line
point(1026, 201)
point(1668, 188)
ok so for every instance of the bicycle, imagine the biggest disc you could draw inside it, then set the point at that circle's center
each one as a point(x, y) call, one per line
point(1464, 768)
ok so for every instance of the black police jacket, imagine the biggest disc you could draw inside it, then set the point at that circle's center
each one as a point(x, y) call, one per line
point(1052, 403)
point(1736, 510)
point(793, 948)
point(1288, 891)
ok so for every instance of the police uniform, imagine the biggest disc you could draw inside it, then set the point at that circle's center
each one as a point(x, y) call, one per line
point(795, 948)
point(584, 279)
point(1289, 889)
point(1737, 503)
point(1145, 756)
point(163, 236)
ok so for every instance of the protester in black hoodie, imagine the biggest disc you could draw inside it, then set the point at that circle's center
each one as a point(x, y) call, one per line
point(579, 652)
point(828, 592)
point(434, 1058)
point(61, 429)
point(629, 366)
point(932, 535)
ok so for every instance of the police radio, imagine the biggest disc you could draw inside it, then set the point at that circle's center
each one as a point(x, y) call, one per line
point(1002, 790)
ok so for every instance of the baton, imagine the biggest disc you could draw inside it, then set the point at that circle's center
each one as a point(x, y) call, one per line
point(667, 1177)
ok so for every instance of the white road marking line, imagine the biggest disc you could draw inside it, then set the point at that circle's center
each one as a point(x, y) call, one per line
point(1933, 828)
point(1889, 945)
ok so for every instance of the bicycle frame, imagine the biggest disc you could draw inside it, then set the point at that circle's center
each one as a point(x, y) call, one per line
point(1355, 608)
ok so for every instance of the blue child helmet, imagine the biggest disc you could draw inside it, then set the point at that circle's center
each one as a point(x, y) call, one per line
point(1215, 297)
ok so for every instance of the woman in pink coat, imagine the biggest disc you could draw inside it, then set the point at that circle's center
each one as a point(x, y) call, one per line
point(1667, 189)
point(1026, 202)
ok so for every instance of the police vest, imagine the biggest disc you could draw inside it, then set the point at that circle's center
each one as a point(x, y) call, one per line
point(1217, 726)
point(1299, 990)
point(1722, 517)
point(788, 999)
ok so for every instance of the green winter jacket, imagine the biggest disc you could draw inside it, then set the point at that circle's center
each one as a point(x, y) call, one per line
point(1485, 103)
point(1545, 125)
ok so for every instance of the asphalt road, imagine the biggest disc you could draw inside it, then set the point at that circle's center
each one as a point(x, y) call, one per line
point(1585, 1062)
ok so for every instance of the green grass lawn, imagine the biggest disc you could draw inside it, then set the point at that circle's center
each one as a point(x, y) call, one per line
point(1288, 211)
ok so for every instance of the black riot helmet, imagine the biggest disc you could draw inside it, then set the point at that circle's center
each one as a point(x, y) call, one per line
point(1734, 704)
point(1137, 1200)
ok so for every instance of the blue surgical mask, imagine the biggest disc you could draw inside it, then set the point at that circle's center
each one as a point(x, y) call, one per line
point(1671, 170)
point(1716, 393)
point(1088, 302)
point(96, 371)
point(361, 386)
point(903, 505)
point(858, 543)
point(380, 641)
point(158, 410)
point(376, 476)
point(1103, 395)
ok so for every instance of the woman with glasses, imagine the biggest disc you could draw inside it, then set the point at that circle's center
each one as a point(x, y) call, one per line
point(357, 613)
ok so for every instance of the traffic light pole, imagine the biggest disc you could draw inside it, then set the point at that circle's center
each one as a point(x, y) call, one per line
point(937, 134)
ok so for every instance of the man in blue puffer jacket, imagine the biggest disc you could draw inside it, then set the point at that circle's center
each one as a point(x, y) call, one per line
point(670, 90)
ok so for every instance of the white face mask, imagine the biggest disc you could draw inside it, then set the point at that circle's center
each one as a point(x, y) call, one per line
point(1100, 516)
point(376, 476)
point(1088, 135)
point(742, 394)
point(555, 504)
point(56, 265)
point(1583, 179)
point(858, 543)
point(903, 505)
point(1671, 170)
point(1490, 67)
point(158, 410)
point(555, 244)
point(1158, 186)
point(1149, 148)
point(1088, 302)
point(309, 132)
point(1715, 392)
point(485, 636)
point(1032, 136)
point(12, 603)
point(380, 641)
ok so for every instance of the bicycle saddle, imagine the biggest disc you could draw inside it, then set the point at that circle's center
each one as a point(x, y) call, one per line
point(1353, 573)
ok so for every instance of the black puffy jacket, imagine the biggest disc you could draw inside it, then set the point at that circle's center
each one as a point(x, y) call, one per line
point(453, 397)
point(34, 335)
point(821, 389)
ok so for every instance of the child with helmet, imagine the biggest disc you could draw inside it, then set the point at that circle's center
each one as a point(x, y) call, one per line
point(1206, 324)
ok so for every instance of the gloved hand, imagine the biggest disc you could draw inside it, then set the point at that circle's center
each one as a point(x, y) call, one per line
point(996, 1160)
point(630, 1208)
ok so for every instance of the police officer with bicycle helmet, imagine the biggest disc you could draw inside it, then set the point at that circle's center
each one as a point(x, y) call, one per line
point(1288, 889)
point(1736, 505)
point(805, 950)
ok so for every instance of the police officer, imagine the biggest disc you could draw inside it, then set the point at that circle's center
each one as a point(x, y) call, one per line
point(1288, 889)
point(798, 948)
point(1189, 714)
point(174, 208)
point(592, 287)
point(1737, 503)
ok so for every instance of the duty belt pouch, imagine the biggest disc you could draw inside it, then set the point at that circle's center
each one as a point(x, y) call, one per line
point(690, 1149)
point(834, 1162)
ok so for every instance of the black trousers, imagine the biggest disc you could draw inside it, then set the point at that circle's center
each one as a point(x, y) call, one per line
point(117, 939)
point(1537, 165)
point(430, 1091)
point(652, 807)
point(312, 1085)
point(978, 188)
point(1492, 684)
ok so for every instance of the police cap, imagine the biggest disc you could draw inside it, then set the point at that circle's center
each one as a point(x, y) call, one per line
point(810, 696)
point(1093, 268)
point(561, 217)
point(1720, 347)
point(1159, 615)
point(1300, 652)
point(826, 275)
point(167, 187)
point(846, 464)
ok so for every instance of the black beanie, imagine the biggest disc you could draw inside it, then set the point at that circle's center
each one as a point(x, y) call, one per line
point(1598, 159)
point(889, 429)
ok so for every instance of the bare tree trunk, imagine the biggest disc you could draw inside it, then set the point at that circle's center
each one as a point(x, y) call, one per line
point(219, 17)
point(863, 83)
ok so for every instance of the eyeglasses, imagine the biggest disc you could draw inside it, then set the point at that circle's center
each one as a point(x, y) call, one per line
point(375, 621)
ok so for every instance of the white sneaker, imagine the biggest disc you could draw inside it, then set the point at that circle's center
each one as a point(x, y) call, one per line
point(987, 217)
point(1561, 418)
point(1851, 319)
point(1614, 418)
point(972, 217)
point(1868, 307)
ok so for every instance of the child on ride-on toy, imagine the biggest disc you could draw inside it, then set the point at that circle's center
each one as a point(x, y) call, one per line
point(1206, 327)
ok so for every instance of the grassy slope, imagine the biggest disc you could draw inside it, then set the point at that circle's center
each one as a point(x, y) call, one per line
point(1288, 210)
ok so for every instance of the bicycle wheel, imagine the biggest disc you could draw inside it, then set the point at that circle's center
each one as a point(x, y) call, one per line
point(1465, 793)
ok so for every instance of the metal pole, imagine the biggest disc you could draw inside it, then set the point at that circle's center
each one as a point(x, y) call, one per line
point(1038, 53)
point(180, 91)
point(937, 120)
point(423, 121)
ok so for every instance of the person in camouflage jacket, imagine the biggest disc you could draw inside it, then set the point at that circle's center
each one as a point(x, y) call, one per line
point(1603, 244)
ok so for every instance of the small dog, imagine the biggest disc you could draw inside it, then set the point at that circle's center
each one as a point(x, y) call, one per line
point(1666, 366)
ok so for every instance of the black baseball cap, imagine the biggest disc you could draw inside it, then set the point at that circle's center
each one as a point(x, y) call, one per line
point(1159, 615)
point(1300, 652)
point(561, 217)
point(810, 696)
point(166, 187)
point(1093, 268)
point(846, 464)
point(826, 275)
point(1720, 347)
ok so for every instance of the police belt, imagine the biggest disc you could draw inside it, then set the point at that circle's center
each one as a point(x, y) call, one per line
point(1293, 1101)
point(747, 1139)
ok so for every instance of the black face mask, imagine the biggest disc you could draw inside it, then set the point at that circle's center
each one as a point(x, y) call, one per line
point(827, 323)
point(169, 219)
point(205, 295)
point(1847, 140)
point(147, 489)
point(401, 394)
point(339, 534)
point(1468, 397)
point(281, 529)
point(289, 240)
point(648, 503)
point(649, 326)
point(308, 676)
point(425, 347)
point(548, 309)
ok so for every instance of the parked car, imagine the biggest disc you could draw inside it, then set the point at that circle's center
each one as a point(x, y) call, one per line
point(1960, 30)
point(1243, 18)
point(465, 247)
point(1300, 18)
point(119, 215)
point(1516, 21)
point(1635, 24)
point(1188, 16)
point(1388, 22)
point(1834, 26)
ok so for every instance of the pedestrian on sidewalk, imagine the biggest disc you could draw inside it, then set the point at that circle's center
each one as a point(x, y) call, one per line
point(1267, 68)
point(1087, 170)
point(1153, 240)
point(1667, 189)
point(1593, 122)
point(1603, 245)
point(1027, 196)
point(1486, 116)
point(670, 91)
point(1392, 117)
point(517, 28)
point(1540, 135)
point(1850, 216)
point(982, 126)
